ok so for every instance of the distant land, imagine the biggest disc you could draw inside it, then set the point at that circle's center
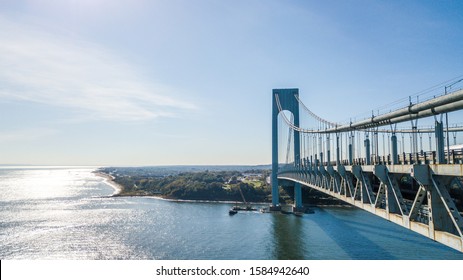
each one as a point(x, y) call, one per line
point(211, 183)
point(173, 168)
point(206, 183)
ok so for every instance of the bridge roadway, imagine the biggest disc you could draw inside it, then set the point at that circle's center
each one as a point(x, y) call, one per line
point(437, 219)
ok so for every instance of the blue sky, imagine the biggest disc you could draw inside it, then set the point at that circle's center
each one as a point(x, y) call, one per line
point(99, 82)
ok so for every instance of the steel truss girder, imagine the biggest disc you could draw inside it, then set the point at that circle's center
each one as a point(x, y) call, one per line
point(347, 184)
point(325, 177)
point(443, 213)
point(432, 213)
point(393, 196)
point(335, 182)
point(417, 203)
point(363, 187)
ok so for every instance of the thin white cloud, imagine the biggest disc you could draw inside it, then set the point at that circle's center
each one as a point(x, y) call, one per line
point(30, 134)
point(37, 66)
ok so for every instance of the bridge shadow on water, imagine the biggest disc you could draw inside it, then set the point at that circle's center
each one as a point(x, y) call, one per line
point(321, 236)
point(349, 238)
point(394, 241)
point(288, 239)
point(348, 233)
point(331, 234)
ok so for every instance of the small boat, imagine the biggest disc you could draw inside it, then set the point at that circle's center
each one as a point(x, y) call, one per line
point(246, 207)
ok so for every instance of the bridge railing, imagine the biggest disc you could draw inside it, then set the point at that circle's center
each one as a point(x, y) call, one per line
point(423, 157)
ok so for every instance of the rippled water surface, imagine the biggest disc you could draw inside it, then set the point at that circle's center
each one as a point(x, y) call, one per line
point(66, 213)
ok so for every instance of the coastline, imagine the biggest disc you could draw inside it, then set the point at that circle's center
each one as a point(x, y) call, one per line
point(198, 201)
point(109, 180)
point(118, 192)
point(119, 189)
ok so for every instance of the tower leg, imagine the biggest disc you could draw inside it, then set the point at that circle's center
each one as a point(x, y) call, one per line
point(298, 207)
point(286, 101)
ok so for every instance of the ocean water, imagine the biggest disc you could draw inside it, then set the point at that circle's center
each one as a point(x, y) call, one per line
point(68, 213)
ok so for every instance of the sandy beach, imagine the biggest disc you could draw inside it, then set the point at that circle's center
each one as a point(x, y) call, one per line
point(109, 180)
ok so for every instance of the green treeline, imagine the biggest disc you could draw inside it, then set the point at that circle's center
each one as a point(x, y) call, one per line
point(205, 185)
point(215, 185)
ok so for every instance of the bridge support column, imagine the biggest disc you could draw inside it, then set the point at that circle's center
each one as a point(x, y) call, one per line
point(297, 197)
point(395, 159)
point(350, 154)
point(338, 158)
point(374, 145)
point(367, 151)
point(328, 150)
point(439, 131)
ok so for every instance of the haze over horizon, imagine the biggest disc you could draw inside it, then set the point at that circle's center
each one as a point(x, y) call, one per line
point(149, 83)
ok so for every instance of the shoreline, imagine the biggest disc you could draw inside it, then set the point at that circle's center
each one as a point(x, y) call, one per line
point(194, 201)
point(109, 180)
point(118, 192)
point(118, 189)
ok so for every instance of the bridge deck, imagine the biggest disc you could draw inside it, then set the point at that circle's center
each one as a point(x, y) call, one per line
point(374, 188)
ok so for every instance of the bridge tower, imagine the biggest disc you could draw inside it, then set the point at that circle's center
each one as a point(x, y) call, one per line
point(287, 100)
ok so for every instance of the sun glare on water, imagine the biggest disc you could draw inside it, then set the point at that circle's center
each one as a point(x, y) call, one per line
point(43, 183)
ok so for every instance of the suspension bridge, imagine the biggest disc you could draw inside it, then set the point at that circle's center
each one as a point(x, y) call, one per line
point(411, 176)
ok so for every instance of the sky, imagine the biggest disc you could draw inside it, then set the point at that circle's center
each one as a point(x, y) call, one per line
point(180, 82)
